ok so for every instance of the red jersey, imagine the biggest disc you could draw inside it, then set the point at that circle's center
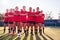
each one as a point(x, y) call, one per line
point(11, 17)
point(42, 18)
point(6, 17)
point(17, 16)
point(38, 17)
point(23, 16)
point(31, 16)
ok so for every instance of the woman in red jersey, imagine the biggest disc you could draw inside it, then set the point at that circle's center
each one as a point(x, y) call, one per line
point(14, 27)
point(38, 19)
point(18, 20)
point(11, 20)
point(30, 19)
point(5, 20)
point(42, 20)
point(34, 21)
point(24, 19)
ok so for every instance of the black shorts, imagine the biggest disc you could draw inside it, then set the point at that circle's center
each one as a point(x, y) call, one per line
point(24, 22)
point(42, 23)
point(6, 22)
point(10, 22)
point(31, 22)
point(39, 22)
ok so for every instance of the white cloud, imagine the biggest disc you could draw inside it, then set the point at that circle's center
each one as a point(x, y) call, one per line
point(45, 5)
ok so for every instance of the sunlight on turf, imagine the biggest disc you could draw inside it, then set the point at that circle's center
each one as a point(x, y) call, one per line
point(15, 37)
point(52, 32)
point(34, 37)
point(28, 38)
point(4, 36)
point(23, 35)
point(40, 36)
point(46, 37)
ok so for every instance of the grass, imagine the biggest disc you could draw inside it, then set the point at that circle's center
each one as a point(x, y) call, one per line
point(51, 33)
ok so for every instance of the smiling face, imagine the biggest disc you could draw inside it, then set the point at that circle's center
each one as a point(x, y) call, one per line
point(41, 11)
point(16, 8)
point(11, 10)
point(21, 10)
point(24, 8)
point(33, 10)
point(37, 9)
point(7, 10)
point(30, 9)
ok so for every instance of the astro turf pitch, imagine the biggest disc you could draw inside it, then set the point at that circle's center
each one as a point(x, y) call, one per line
point(51, 33)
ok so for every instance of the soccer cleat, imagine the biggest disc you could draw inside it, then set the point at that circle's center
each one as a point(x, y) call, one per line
point(19, 34)
point(35, 31)
point(15, 29)
point(9, 31)
point(26, 32)
point(18, 31)
point(13, 32)
point(4, 30)
point(31, 32)
point(40, 31)
point(43, 30)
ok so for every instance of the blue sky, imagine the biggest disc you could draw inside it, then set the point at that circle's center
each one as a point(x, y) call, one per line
point(45, 5)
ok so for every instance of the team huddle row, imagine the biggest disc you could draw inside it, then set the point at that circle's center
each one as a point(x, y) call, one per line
point(23, 18)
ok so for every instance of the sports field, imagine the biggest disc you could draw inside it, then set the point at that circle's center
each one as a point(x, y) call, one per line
point(51, 33)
